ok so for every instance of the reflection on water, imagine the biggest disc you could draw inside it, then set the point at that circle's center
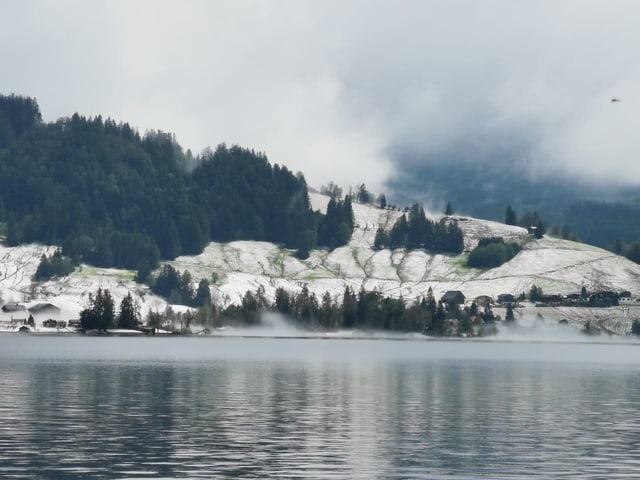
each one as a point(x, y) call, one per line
point(268, 408)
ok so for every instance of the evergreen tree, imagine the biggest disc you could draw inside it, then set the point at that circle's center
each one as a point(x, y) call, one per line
point(535, 293)
point(363, 195)
point(328, 315)
point(283, 301)
point(349, 308)
point(21, 113)
point(203, 294)
point(417, 228)
point(100, 313)
point(55, 265)
point(617, 247)
point(337, 225)
point(381, 239)
point(129, 316)
point(250, 309)
point(448, 211)
point(168, 279)
point(510, 216)
point(399, 233)
point(509, 317)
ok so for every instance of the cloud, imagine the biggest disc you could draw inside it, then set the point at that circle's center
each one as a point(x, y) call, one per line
point(347, 91)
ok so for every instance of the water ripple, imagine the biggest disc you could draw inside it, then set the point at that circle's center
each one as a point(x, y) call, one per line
point(340, 416)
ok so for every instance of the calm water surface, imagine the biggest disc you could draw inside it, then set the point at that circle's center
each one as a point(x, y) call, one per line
point(311, 408)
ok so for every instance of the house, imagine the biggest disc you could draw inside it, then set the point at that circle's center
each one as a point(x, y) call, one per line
point(50, 323)
point(14, 312)
point(551, 299)
point(484, 301)
point(573, 297)
point(604, 299)
point(40, 308)
point(506, 299)
point(453, 297)
point(625, 297)
point(44, 311)
point(12, 307)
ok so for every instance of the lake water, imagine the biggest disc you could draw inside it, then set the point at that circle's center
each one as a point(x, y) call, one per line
point(73, 407)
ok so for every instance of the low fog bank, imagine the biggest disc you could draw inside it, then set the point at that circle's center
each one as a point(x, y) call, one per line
point(280, 326)
point(534, 329)
point(271, 325)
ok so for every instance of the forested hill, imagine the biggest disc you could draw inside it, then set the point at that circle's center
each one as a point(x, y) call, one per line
point(114, 198)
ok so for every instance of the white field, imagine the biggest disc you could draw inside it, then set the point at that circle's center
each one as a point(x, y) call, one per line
point(558, 266)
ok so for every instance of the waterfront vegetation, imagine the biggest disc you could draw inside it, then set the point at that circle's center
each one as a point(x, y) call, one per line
point(366, 311)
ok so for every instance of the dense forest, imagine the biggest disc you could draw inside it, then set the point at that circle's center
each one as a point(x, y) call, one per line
point(114, 198)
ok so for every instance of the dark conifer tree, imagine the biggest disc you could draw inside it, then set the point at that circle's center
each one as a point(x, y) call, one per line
point(203, 294)
point(349, 308)
point(510, 216)
point(100, 313)
point(128, 316)
point(448, 211)
point(381, 239)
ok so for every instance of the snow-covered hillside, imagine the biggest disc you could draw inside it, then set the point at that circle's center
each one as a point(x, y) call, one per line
point(70, 293)
point(557, 266)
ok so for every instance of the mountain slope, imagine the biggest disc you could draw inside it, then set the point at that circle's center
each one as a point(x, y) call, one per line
point(555, 265)
point(558, 266)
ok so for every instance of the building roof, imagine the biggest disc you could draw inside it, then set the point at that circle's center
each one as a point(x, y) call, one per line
point(13, 307)
point(39, 307)
point(453, 296)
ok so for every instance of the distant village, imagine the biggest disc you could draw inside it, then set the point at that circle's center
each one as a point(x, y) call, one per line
point(16, 317)
point(46, 317)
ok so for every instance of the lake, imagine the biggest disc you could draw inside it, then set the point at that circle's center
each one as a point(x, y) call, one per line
point(205, 407)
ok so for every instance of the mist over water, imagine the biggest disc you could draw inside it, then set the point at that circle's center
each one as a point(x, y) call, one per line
point(271, 325)
point(533, 329)
point(281, 326)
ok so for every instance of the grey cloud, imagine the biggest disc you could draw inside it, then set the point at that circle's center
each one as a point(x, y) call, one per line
point(345, 91)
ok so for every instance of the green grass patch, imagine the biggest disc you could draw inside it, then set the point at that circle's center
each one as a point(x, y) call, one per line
point(460, 263)
point(87, 270)
point(278, 260)
point(318, 276)
point(126, 275)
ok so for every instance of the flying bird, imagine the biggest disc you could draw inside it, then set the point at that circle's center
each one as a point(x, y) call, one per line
point(615, 99)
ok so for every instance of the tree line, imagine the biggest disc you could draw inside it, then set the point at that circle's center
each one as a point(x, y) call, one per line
point(101, 315)
point(362, 310)
point(177, 287)
point(529, 220)
point(417, 231)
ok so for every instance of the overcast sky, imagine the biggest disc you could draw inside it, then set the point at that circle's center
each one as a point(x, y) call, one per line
point(346, 90)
